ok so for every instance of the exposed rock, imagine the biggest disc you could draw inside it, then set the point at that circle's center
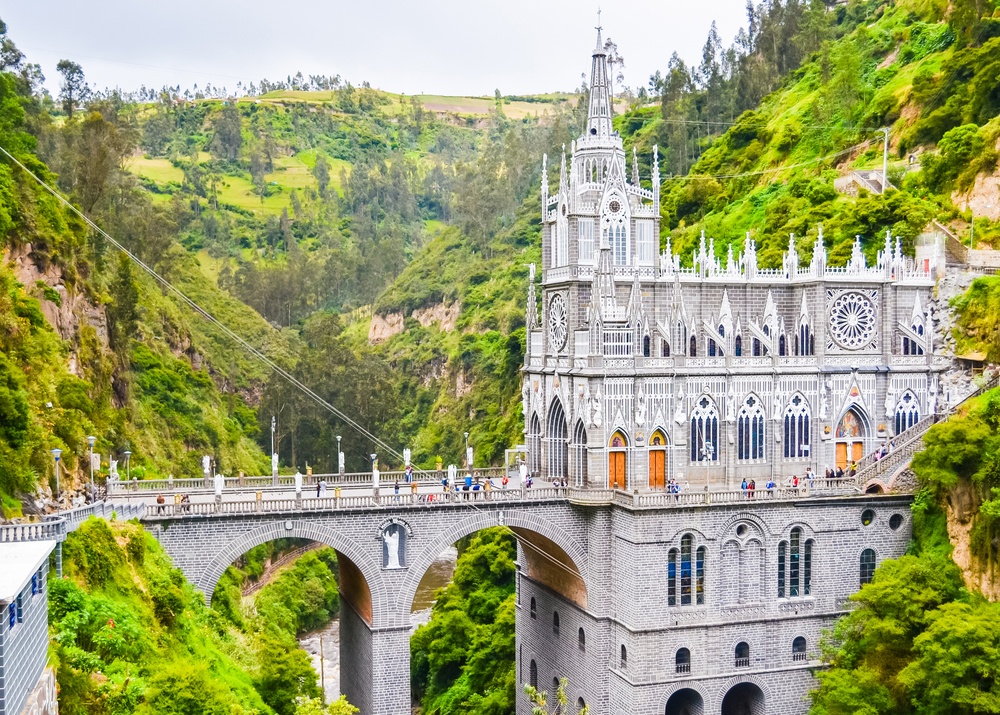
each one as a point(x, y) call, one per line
point(383, 328)
point(983, 198)
point(444, 314)
point(960, 523)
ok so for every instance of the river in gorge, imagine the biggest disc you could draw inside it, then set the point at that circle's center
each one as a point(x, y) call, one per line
point(437, 576)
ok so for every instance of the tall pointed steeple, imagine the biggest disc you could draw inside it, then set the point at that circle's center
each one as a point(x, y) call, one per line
point(599, 113)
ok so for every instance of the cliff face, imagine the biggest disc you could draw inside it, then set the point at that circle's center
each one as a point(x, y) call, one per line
point(962, 510)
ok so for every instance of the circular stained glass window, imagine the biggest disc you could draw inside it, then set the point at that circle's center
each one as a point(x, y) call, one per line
point(867, 517)
point(557, 322)
point(852, 320)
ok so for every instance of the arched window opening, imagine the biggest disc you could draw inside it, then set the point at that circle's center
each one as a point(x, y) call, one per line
point(555, 684)
point(750, 430)
point(580, 454)
point(907, 412)
point(682, 661)
point(557, 439)
point(799, 648)
point(694, 346)
point(700, 575)
point(555, 623)
point(533, 674)
point(672, 578)
point(664, 349)
point(742, 655)
point(738, 347)
point(782, 551)
point(581, 640)
point(704, 431)
point(624, 656)
point(805, 340)
point(867, 566)
point(781, 346)
point(722, 331)
point(794, 543)
point(534, 608)
point(580, 704)
point(535, 445)
point(755, 347)
point(645, 346)
point(797, 429)
point(618, 242)
point(711, 348)
point(686, 569)
point(910, 345)
point(807, 567)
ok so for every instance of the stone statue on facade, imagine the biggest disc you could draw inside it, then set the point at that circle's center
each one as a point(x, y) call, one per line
point(890, 402)
point(598, 409)
point(824, 400)
point(640, 408)
point(679, 416)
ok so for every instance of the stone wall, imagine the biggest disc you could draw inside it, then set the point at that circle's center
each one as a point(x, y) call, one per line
point(24, 649)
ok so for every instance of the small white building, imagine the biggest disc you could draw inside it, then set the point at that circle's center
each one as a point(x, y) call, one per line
point(27, 687)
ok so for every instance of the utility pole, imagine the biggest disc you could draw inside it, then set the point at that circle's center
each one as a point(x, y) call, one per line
point(885, 159)
point(322, 670)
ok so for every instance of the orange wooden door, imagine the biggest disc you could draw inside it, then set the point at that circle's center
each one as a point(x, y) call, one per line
point(616, 470)
point(857, 451)
point(657, 469)
point(842, 455)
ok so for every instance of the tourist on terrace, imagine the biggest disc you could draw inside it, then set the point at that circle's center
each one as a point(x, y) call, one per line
point(750, 488)
point(321, 488)
point(395, 489)
point(186, 504)
point(744, 486)
point(160, 502)
point(770, 485)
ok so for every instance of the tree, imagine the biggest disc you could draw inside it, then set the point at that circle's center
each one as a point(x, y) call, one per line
point(285, 675)
point(539, 701)
point(73, 90)
point(184, 689)
point(322, 172)
point(123, 310)
point(228, 139)
point(957, 669)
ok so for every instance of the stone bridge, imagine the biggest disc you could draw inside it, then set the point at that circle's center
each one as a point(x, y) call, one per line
point(560, 548)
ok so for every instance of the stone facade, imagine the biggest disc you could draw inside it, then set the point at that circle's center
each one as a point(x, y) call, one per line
point(640, 370)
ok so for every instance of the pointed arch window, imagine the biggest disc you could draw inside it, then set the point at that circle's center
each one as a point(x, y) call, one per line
point(907, 412)
point(782, 560)
point(912, 346)
point(750, 430)
point(804, 341)
point(705, 431)
point(794, 564)
point(617, 236)
point(664, 349)
point(699, 575)
point(579, 449)
point(738, 347)
point(797, 416)
point(711, 347)
point(755, 347)
point(694, 346)
point(782, 345)
point(535, 445)
point(645, 346)
point(557, 441)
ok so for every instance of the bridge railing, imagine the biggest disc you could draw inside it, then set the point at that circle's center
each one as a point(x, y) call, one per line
point(56, 526)
point(35, 531)
point(286, 482)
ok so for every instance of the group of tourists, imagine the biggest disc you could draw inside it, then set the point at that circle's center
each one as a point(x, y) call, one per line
point(180, 500)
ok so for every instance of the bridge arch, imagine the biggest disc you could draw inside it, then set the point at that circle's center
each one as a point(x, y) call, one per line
point(360, 581)
point(562, 568)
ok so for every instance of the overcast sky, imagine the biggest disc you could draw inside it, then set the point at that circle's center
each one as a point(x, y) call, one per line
point(464, 47)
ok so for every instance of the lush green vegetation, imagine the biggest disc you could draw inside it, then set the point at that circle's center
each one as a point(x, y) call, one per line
point(131, 635)
point(463, 660)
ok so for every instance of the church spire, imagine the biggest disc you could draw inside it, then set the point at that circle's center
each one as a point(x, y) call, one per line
point(599, 113)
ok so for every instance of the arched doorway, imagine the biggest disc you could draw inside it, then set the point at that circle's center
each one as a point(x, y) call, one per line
point(685, 702)
point(617, 460)
point(657, 460)
point(850, 437)
point(743, 699)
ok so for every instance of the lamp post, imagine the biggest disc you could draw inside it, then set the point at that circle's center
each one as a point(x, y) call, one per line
point(340, 459)
point(56, 452)
point(90, 442)
point(128, 463)
point(468, 462)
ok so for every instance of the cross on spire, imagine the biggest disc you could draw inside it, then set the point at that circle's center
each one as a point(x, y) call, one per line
point(599, 26)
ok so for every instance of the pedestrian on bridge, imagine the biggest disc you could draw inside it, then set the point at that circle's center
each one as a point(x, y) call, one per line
point(321, 488)
point(395, 489)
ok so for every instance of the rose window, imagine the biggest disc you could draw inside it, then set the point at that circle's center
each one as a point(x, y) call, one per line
point(852, 320)
point(557, 322)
